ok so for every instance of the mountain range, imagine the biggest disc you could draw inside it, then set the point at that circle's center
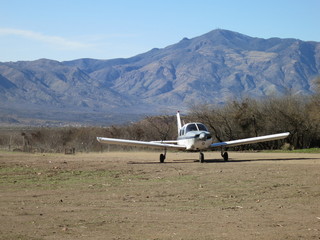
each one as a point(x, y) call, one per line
point(213, 68)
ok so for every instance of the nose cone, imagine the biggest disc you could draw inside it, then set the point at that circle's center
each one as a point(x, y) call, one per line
point(204, 136)
point(201, 141)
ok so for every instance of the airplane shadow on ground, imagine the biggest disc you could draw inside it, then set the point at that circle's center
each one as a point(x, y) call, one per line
point(257, 160)
point(222, 161)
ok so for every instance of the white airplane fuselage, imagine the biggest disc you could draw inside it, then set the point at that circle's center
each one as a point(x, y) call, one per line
point(193, 144)
point(195, 137)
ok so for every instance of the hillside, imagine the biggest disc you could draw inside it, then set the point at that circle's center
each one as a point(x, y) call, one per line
point(212, 68)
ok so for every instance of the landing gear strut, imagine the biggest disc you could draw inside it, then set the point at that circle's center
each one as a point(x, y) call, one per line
point(201, 157)
point(224, 155)
point(163, 156)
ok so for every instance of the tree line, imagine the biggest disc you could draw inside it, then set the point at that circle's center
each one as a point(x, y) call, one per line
point(299, 115)
point(249, 118)
point(83, 139)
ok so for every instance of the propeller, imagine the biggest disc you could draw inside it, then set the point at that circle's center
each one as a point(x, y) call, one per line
point(203, 136)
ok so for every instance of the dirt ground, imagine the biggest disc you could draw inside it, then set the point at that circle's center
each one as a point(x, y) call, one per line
point(132, 196)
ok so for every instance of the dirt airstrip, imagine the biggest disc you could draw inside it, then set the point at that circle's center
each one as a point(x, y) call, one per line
point(132, 196)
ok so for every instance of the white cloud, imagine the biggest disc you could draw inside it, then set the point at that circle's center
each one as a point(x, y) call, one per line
point(52, 40)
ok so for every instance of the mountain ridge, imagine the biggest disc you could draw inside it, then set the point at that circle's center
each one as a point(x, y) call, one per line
point(212, 68)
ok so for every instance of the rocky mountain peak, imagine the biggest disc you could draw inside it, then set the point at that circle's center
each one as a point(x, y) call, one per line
point(212, 68)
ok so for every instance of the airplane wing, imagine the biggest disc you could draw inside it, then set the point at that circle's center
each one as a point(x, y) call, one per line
point(166, 141)
point(155, 144)
point(250, 140)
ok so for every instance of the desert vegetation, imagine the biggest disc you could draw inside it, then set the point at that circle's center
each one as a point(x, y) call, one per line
point(299, 115)
point(248, 117)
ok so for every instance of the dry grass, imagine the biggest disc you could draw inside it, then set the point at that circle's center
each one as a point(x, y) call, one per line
point(120, 195)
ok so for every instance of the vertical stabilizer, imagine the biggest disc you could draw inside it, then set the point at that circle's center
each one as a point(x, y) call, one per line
point(178, 122)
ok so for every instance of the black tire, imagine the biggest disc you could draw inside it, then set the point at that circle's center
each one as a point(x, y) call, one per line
point(201, 157)
point(225, 156)
point(162, 158)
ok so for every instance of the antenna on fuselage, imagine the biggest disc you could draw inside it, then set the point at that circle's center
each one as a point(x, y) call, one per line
point(178, 122)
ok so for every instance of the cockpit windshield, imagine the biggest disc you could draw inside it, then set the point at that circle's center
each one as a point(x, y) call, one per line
point(196, 127)
point(202, 127)
point(191, 127)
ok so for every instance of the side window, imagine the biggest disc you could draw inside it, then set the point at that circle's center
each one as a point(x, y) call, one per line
point(181, 133)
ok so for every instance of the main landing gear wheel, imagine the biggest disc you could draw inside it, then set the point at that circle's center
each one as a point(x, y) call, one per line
point(225, 156)
point(201, 157)
point(162, 158)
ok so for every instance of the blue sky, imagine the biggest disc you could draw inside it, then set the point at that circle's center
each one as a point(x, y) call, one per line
point(106, 29)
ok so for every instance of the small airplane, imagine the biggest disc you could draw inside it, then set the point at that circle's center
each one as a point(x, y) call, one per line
point(193, 137)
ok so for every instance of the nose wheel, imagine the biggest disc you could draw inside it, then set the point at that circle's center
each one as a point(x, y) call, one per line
point(201, 157)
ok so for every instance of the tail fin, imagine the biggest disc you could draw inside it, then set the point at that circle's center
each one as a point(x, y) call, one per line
point(178, 122)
